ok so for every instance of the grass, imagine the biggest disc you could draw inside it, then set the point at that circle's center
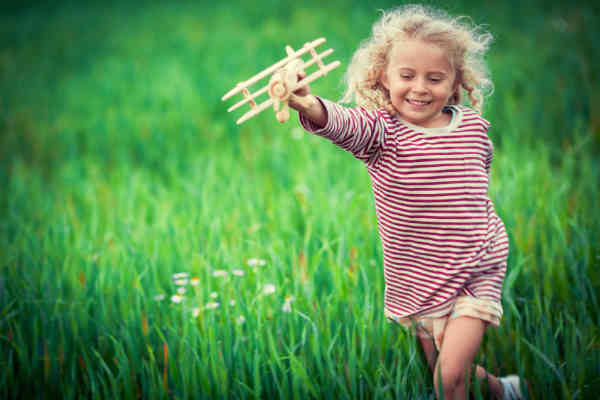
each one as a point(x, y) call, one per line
point(120, 167)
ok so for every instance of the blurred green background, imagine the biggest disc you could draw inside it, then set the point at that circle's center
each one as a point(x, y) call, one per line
point(120, 166)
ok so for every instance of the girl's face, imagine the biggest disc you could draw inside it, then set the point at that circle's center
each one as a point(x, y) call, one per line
point(420, 81)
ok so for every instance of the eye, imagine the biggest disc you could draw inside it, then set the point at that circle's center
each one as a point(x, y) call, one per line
point(405, 76)
point(435, 79)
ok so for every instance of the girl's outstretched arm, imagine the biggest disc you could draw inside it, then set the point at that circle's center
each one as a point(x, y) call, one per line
point(355, 130)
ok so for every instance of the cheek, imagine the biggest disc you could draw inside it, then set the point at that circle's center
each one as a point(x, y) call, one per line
point(399, 88)
point(446, 91)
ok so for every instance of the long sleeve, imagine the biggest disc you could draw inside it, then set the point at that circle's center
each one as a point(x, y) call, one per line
point(357, 130)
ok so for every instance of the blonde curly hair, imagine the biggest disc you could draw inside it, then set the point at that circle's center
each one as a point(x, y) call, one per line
point(464, 44)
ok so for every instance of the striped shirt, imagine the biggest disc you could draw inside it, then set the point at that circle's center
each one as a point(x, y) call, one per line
point(440, 234)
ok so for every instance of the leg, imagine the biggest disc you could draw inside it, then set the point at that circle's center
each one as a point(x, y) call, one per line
point(430, 351)
point(494, 386)
point(462, 338)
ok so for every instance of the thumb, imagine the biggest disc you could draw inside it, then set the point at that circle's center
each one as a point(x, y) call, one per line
point(302, 90)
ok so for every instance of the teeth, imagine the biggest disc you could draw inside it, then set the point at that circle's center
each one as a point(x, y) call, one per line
point(418, 101)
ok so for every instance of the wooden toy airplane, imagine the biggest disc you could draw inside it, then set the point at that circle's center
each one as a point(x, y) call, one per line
point(283, 82)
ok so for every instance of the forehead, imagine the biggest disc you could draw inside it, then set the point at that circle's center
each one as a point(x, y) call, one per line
point(419, 55)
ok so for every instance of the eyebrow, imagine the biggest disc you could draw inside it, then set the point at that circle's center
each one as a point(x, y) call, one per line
point(429, 72)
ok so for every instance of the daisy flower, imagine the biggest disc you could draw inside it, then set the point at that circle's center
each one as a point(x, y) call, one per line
point(195, 281)
point(269, 288)
point(238, 272)
point(214, 295)
point(176, 298)
point(287, 304)
point(219, 273)
point(181, 290)
point(181, 275)
point(256, 262)
point(181, 282)
point(195, 312)
point(159, 297)
point(211, 305)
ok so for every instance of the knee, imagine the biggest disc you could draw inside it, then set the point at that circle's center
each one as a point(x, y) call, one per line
point(448, 376)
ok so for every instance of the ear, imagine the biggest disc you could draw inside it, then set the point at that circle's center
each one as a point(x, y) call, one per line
point(384, 79)
point(455, 96)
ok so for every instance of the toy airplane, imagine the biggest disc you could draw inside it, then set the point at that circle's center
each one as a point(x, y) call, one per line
point(283, 82)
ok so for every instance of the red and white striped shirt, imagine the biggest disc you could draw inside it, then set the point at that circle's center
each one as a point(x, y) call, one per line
point(439, 232)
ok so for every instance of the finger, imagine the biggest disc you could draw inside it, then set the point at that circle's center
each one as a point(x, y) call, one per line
point(302, 90)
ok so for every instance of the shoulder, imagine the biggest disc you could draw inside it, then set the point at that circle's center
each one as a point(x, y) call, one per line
point(382, 117)
point(472, 118)
point(385, 115)
point(377, 118)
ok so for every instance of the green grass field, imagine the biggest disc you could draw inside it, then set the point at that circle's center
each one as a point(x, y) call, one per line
point(120, 167)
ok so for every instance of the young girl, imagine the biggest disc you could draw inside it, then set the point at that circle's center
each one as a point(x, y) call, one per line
point(429, 157)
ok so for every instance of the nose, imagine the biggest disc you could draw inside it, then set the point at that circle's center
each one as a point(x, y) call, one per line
point(420, 85)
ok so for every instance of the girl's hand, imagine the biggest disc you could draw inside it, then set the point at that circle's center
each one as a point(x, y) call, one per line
point(302, 101)
point(303, 90)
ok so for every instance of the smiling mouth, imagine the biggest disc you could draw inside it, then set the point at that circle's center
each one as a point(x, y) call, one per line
point(418, 102)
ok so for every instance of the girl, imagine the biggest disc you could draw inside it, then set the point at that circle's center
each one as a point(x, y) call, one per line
point(428, 157)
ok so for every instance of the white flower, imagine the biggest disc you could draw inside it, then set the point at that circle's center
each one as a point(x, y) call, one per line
point(214, 295)
point(255, 262)
point(238, 272)
point(195, 281)
point(240, 320)
point(287, 304)
point(159, 297)
point(219, 273)
point(269, 288)
point(211, 305)
point(181, 282)
point(176, 298)
point(232, 303)
point(180, 275)
point(181, 290)
point(195, 311)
